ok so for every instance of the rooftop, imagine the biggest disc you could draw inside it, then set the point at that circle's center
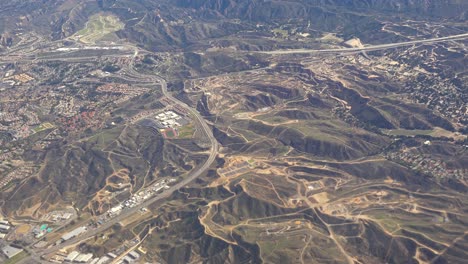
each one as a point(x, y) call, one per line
point(74, 233)
point(10, 251)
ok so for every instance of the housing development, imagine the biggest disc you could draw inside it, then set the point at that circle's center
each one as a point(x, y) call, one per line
point(222, 131)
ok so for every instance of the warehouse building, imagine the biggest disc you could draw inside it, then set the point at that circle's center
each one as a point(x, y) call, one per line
point(74, 233)
point(4, 227)
point(10, 251)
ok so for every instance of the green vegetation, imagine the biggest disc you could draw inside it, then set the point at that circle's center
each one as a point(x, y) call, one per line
point(282, 32)
point(326, 179)
point(247, 134)
point(170, 133)
point(43, 127)
point(436, 132)
point(272, 119)
point(106, 137)
point(406, 132)
point(321, 130)
point(389, 223)
point(98, 27)
point(186, 131)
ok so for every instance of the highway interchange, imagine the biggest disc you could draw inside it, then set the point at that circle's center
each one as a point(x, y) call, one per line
point(67, 56)
point(129, 212)
point(36, 253)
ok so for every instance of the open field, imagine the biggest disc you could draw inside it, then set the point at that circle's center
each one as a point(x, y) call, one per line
point(98, 27)
point(43, 127)
point(186, 131)
point(436, 132)
point(309, 131)
point(23, 229)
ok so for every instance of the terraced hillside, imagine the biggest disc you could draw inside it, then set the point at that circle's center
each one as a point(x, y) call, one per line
point(222, 131)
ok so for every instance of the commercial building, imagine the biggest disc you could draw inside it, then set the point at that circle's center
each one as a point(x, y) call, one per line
point(4, 227)
point(134, 255)
point(94, 261)
point(126, 260)
point(10, 251)
point(84, 258)
point(66, 216)
point(74, 233)
point(103, 260)
point(72, 256)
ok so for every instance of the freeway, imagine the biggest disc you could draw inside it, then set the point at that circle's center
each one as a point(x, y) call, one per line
point(368, 48)
point(134, 210)
point(201, 122)
point(13, 58)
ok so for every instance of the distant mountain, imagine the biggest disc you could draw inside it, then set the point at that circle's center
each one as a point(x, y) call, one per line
point(147, 21)
point(260, 9)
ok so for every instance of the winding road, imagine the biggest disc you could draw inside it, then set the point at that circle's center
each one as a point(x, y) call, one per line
point(197, 172)
point(165, 194)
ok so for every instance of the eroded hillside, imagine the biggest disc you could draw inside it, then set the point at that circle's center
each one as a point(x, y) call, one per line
point(220, 131)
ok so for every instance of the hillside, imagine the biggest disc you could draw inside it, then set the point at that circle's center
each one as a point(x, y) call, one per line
point(234, 131)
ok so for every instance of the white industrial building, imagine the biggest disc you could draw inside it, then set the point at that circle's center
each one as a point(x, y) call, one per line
point(10, 251)
point(72, 256)
point(84, 258)
point(169, 119)
point(103, 260)
point(74, 233)
point(4, 227)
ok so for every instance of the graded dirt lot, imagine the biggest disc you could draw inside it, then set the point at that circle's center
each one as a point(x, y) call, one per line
point(23, 229)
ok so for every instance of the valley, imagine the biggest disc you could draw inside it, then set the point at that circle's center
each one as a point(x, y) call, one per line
point(233, 132)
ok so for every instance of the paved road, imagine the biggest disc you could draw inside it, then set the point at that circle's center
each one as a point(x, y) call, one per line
point(201, 122)
point(367, 48)
point(192, 176)
point(10, 58)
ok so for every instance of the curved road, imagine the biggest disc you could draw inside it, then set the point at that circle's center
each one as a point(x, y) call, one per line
point(202, 123)
point(10, 58)
point(134, 210)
